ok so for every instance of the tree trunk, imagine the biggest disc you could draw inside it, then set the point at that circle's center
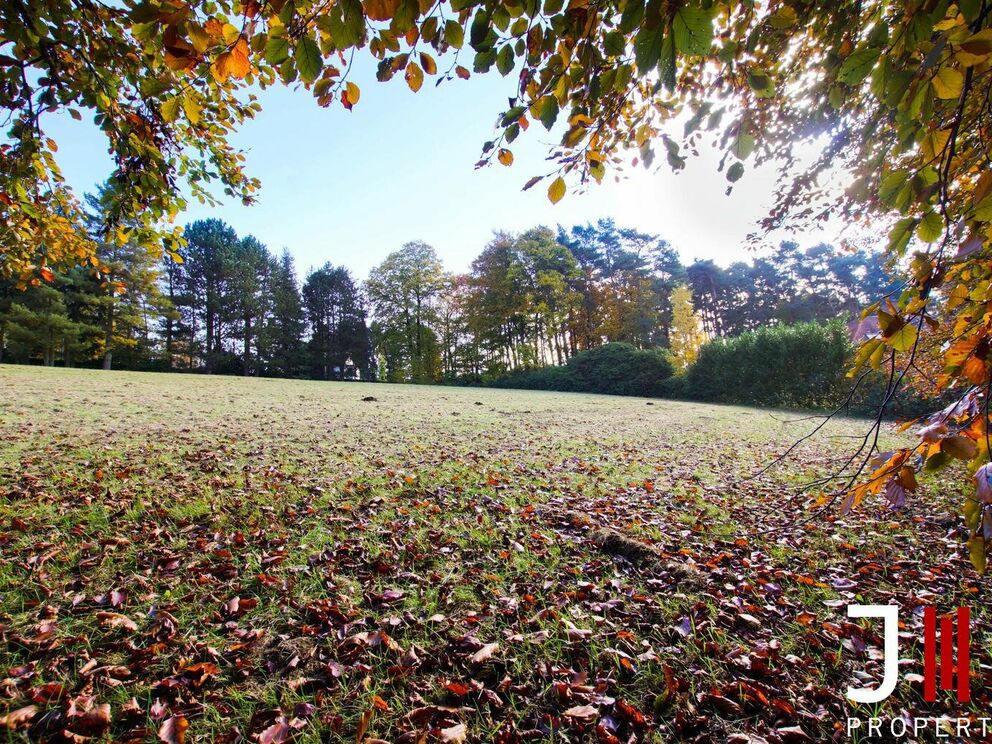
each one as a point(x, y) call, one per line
point(108, 338)
point(246, 355)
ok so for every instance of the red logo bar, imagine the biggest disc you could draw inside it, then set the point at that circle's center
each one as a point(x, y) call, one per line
point(947, 665)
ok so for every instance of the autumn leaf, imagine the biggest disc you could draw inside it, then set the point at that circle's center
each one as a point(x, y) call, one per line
point(234, 62)
point(380, 10)
point(456, 734)
point(414, 76)
point(556, 190)
point(947, 82)
point(173, 730)
point(505, 157)
point(428, 63)
point(352, 93)
point(19, 719)
point(485, 653)
point(116, 620)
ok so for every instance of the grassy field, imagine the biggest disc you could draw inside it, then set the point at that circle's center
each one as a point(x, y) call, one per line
point(223, 559)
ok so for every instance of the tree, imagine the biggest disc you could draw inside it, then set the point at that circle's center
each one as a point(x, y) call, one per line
point(248, 295)
point(38, 325)
point(207, 267)
point(282, 334)
point(686, 334)
point(336, 315)
point(124, 300)
point(402, 291)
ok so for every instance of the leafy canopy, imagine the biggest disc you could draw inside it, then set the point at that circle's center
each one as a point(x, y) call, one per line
point(168, 82)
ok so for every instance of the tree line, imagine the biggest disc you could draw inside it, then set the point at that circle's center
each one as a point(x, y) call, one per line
point(226, 304)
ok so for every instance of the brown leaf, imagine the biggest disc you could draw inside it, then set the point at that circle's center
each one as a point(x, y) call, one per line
point(18, 719)
point(455, 735)
point(116, 620)
point(173, 730)
point(485, 653)
point(582, 712)
point(380, 10)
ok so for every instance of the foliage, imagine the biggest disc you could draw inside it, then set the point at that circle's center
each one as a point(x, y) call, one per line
point(686, 335)
point(613, 369)
point(339, 334)
point(403, 291)
point(799, 366)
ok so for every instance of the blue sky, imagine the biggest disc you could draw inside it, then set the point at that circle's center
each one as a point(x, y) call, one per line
point(350, 187)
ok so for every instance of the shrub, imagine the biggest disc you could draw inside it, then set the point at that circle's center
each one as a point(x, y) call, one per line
point(798, 366)
point(614, 369)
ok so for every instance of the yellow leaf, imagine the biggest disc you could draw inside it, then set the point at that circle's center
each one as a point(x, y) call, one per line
point(353, 92)
point(556, 190)
point(414, 76)
point(505, 157)
point(934, 143)
point(948, 82)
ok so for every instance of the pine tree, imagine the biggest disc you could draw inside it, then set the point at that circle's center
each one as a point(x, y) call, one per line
point(282, 336)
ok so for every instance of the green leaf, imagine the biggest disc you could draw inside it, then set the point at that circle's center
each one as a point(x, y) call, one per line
point(931, 227)
point(743, 145)
point(983, 210)
point(890, 186)
point(545, 109)
point(505, 60)
point(479, 30)
point(667, 66)
point(309, 62)
point(170, 108)
point(693, 31)
point(454, 35)
point(858, 65)
point(900, 234)
point(631, 17)
point(903, 339)
point(735, 171)
point(647, 47)
point(614, 44)
point(276, 51)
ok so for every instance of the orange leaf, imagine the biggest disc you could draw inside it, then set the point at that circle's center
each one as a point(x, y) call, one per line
point(381, 10)
point(235, 62)
point(975, 370)
point(173, 730)
point(505, 157)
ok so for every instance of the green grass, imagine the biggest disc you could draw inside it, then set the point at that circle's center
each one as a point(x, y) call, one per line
point(377, 546)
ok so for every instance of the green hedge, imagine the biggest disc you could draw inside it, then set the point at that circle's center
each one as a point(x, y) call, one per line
point(614, 369)
point(798, 366)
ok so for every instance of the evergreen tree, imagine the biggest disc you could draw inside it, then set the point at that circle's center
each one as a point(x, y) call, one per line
point(336, 317)
point(282, 335)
